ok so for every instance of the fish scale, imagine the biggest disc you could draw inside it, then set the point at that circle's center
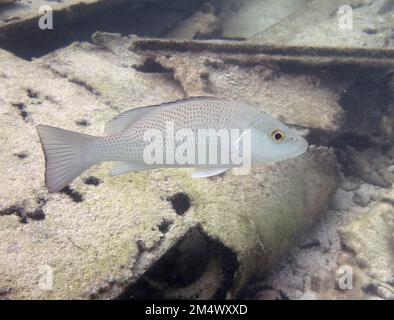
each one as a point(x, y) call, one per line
point(129, 145)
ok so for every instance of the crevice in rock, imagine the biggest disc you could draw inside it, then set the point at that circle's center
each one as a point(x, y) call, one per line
point(22, 111)
point(24, 214)
point(84, 85)
point(21, 155)
point(82, 123)
point(32, 94)
point(153, 65)
point(165, 225)
point(177, 269)
point(77, 23)
point(74, 195)
point(76, 81)
point(150, 65)
point(364, 142)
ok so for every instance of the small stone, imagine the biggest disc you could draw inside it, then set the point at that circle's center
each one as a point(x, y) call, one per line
point(361, 198)
point(342, 200)
point(269, 294)
point(391, 169)
point(385, 293)
point(350, 185)
point(370, 30)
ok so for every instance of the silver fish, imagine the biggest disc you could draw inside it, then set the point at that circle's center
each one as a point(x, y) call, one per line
point(68, 154)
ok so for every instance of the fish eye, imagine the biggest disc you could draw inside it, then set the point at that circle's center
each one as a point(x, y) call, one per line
point(278, 135)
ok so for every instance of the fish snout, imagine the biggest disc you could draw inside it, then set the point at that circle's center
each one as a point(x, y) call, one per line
point(300, 143)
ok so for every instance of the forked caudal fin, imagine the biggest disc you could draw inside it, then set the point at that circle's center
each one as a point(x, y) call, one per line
point(67, 155)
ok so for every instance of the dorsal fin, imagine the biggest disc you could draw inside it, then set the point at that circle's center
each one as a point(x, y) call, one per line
point(125, 119)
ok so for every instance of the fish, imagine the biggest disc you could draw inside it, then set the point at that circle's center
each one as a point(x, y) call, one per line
point(172, 135)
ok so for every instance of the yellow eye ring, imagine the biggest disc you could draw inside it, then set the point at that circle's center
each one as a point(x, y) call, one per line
point(278, 135)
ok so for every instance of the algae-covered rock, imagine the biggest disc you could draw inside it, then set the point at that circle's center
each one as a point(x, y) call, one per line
point(202, 24)
point(212, 67)
point(97, 237)
point(243, 19)
point(6, 1)
point(356, 23)
point(370, 239)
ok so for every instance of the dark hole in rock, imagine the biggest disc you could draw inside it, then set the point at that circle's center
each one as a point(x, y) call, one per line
point(370, 30)
point(181, 202)
point(310, 244)
point(164, 226)
point(17, 210)
point(37, 214)
point(21, 155)
point(366, 100)
point(260, 292)
point(23, 214)
point(370, 288)
point(93, 181)
point(360, 143)
point(74, 195)
point(50, 99)
point(85, 85)
point(82, 123)
point(32, 94)
point(4, 292)
point(141, 246)
point(340, 140)
point(178, 268)
point(151, 66)
point(22, 110)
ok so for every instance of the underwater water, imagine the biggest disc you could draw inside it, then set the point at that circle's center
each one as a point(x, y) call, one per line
point(83, 215)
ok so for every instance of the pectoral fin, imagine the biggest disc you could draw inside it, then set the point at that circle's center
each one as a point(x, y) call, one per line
point(208, 172)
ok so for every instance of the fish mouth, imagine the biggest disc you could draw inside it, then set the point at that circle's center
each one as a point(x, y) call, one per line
point(300, 152)
point(302, 149)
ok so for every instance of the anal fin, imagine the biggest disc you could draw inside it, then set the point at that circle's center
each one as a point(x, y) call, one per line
point(207, 172)
point(121, 167)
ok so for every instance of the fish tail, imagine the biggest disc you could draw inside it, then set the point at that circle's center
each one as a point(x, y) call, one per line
point(67, 155)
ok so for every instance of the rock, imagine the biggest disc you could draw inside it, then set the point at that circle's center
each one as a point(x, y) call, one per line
point(371, 165)
point(362, 197)
point(297, 99)
point(369, 112)
point(385, 292)
point(202, 24)
point(268, 294)
point(95, 240)
point(245, 19)
point(370, 238)
point(6, 1)
point(386, 6)
point(350, 185)
point(318, 24)
point(119, 46)
point(321, 282)
point(342, 200)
